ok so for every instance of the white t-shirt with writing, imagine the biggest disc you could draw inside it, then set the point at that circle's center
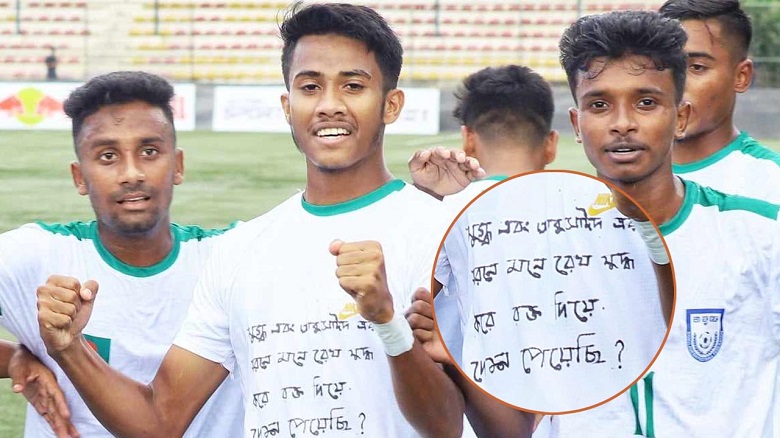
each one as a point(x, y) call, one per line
point(558, 299)
point(136, 315)
point(270, 308)
point(716, 374)
point(446, 308)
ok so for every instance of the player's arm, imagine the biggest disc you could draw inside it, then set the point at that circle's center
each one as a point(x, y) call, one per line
point(428, 398)
point(7, 349)
point(440, 172)
point(163, 408)
point(488, 416)
point(38, 385)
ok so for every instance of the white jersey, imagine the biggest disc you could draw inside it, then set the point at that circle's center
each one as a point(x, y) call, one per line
point(540, 266)
point(270, 307)
point(716, 374)
point(744, 167)
point(136, 315)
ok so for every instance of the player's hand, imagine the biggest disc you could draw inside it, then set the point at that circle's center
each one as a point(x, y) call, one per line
point(442, 172)
point(361, 273)
point(39, 386)
point(627, 207)
point(64, 307)
point(420, 318)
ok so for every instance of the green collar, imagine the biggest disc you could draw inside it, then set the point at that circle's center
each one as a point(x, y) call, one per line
point(89, 231)
point(735, 144)
point(690, 198)
point(137, 271)
point(354, 204)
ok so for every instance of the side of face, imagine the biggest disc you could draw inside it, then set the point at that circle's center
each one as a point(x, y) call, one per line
point(715, 75)
point(627, 118)
point(336, 106)
point(128, 164)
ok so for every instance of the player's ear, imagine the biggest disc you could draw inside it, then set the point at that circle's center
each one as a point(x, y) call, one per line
point(574, 119)
point(285, 98)
point(550, 146)
point(469, 140)
point(178, 177)
point(78, 178)
point(683, 113)
point(744, 76)
point(394, 103)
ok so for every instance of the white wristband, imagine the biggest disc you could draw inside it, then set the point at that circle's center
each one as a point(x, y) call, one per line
point(655, 245)
point(396, 335)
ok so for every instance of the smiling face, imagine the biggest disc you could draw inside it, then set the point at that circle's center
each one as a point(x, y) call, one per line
point(627, 118)
point(128, 165)
point(336, 106)
point(715, 75)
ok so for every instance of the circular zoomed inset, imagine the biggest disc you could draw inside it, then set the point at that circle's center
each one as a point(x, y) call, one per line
point(558, 305)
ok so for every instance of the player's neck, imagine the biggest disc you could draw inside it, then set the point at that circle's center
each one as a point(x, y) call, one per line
point(140, 250)
point(699, 147)
point(660, 194)
point(509, 164)
point(325, 187)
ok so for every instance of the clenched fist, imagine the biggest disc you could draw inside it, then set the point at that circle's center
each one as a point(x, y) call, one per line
point(64, 307)
point(361, 273)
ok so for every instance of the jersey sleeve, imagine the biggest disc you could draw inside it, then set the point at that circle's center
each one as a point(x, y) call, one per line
point(23, 255)
point(774, 287)
point(443, 270)
point(206, 329)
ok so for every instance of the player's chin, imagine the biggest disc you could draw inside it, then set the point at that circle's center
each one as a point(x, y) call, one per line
point(622, 174)
point(334, 163)
point(136, 224)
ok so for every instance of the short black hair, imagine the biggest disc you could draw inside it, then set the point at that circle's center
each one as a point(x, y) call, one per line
point(505, 101)
point(617, 34)
point(734, 22)
point(360, 23)
point(117, 88)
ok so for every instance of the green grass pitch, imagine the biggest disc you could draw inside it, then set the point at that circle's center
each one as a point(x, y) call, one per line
point(228, 177)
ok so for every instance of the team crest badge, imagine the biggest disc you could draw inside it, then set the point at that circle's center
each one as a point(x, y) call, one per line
point(705, 332)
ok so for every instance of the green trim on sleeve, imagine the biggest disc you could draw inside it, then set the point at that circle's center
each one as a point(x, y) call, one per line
point(743, 144)
point(189, 232)
point(496, 177)
point(712, 159)
point(79, 230)
point(758, 151)
point(354, 204)
point(707, 197)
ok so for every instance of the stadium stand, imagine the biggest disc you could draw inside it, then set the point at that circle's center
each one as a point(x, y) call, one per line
point(236, 41)
point(28, 32)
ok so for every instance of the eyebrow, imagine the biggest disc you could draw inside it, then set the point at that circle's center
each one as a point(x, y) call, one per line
point(102, 142)
point(347, 73)
point(644, 90)
point(701, 55)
